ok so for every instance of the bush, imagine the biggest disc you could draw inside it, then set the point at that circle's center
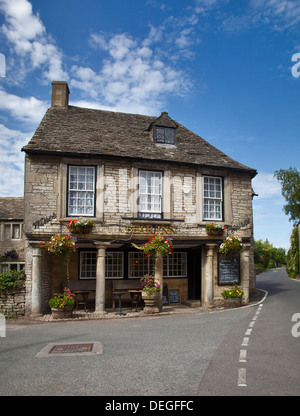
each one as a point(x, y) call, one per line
point(11, 280)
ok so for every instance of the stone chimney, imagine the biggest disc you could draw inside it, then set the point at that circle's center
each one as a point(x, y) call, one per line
point(60, 94)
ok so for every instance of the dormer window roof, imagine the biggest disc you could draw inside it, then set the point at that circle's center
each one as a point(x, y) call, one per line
point(164, 130)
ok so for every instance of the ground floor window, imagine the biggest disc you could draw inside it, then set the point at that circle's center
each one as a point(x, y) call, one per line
point(8, 267)
point(113, 265)
point(174, 265)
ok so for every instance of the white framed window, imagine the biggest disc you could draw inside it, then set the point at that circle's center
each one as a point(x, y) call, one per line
point(212, 198)
point(175, 265)
point(81, 191)
point(139, 265)
point(150, 194)
point(113, 265)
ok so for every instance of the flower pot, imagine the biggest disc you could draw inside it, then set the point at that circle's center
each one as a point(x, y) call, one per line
point(62, 313)
point(232, 303)
point(82, 230)
point(151, 302)
point(214, 233)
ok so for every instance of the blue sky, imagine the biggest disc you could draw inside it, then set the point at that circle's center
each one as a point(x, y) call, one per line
point(222, 68)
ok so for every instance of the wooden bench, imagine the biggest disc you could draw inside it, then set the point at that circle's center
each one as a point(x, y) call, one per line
point(89, 285)
point(124, 286)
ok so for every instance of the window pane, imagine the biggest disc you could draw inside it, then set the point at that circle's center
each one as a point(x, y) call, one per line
point(150, 194)
point(81, 190)
point(212, 198)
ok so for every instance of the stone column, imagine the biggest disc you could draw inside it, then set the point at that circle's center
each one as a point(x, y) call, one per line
point(36, 279)
point(100, 277)
point(209, 276)
point(159, 278)
point(245, 272)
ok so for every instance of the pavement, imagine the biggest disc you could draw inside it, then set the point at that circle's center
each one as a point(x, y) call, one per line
point(180, 309)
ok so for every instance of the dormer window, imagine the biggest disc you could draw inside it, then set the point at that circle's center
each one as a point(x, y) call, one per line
point(164, 135)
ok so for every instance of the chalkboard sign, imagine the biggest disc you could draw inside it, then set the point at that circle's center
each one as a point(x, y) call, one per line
point(229, 270)
point(174, 296)
point(165, 295)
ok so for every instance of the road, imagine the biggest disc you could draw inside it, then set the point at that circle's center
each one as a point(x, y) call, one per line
point(189, 355)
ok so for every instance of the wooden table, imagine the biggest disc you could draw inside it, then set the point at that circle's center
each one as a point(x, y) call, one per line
point(136, 296)
point(83, 301)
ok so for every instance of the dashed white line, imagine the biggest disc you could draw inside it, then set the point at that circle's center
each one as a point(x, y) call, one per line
point(243, 356)
point(245, 342)
point(242, 377)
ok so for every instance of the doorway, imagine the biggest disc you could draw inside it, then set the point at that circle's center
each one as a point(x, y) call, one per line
point(194, 274)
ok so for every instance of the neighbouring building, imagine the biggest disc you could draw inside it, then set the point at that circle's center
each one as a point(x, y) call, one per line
point(133, 175)
point(12, 241)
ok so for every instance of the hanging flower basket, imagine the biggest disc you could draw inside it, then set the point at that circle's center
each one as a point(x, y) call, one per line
point(231, 247)
point(156, 245)
point(80, 226)
point(62, 246)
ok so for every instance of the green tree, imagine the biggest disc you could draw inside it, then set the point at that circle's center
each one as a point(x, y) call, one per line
point(290, 189)
point(292, 267)
point(268, 257)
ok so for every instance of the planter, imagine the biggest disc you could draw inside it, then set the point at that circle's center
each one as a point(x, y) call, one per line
point(151, 302)
point(79, 231)
point(62, 313)
point(214, 233)
point(232, 303)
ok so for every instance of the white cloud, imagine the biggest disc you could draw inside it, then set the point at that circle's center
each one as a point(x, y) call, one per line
point(12, 161)
point(28, 109)
point(28, 39)
point(266, 186)
point(133, 78)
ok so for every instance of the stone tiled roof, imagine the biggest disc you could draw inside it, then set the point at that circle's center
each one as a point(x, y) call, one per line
point(81, 131)
point(11, 209)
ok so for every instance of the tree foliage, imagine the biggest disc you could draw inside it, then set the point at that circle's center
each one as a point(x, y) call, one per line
point(290, 189)
point(292, 267)
point(268, 257)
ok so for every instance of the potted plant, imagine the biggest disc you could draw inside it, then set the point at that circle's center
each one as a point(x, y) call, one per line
point(233, 297)
point(80, 226)
point(63, 246)
point(213, 229)
point(231, 247)
point(157, 246)
point(150, 294)
point(62, 304)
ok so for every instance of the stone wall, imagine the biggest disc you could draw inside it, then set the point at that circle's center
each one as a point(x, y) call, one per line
point(12, 303)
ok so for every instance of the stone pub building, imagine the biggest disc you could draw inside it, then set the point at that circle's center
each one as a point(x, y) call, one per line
point(133, 176)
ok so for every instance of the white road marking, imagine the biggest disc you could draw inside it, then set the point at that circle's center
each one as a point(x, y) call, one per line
point(242, 377)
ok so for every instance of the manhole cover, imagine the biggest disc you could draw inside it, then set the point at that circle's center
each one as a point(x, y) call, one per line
point(71, 348)
point(55, 349)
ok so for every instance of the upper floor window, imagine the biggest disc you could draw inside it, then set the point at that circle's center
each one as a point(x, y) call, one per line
point(81, 191)
point(212, 198)
point(12, 231)
point(164, 135)
point(150, 194)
